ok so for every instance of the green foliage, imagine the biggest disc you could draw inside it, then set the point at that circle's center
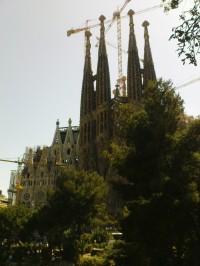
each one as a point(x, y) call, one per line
point(160, 180)
point(13, 220)
point(171, 4)
point(79, 197)
point(69, 244)
point(76, 208)
point(188, 32)
point(85, 243)
point(4, 253)
point(100, 237)
point(118, 253)
point(148, 134)
point(19, 252)
point(88, 260)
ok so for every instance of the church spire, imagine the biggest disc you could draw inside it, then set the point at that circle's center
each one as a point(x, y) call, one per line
point(103, 92)
point(87, 96)
point(134, 81)
point(149, 71)
point(43, 160)
point(30, 157)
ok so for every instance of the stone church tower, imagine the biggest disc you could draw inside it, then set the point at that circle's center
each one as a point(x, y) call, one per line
point(82, 147)
point(96, 111)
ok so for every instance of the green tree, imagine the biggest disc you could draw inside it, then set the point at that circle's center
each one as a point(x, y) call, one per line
point(13, 222)
point(76, 207)
point(160, 170)
point(187, 33)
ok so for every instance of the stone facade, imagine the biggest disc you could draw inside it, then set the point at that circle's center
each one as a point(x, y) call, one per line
point(82, 147)
point(97, 110)
point(43, 164)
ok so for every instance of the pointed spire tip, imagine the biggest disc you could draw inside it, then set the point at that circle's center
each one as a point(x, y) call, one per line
point(69, 122)
point(88, 33)
point(145, 24)
point(102, 18)
point(131, 12)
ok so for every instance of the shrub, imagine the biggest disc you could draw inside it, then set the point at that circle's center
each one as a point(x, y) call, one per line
point(87, 260)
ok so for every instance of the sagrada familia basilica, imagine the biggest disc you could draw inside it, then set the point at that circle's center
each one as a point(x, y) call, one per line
point(81, 147)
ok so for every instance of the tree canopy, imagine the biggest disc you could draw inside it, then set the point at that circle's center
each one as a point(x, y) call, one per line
point(74, 210)
point(13, 222)
point(77, 198)
point(160, 174)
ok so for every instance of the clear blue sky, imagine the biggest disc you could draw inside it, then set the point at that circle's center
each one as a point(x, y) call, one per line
point(41, 68)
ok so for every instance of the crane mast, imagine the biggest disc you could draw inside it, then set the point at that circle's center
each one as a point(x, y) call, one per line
point(119, 44)
point(16, 186)
point(12, 161)
point(121, 78)
point(187, 83)
point(116, 17)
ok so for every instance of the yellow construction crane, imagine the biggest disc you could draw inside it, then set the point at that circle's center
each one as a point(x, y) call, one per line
point(88, 27)
point(116, 17)
point(16, 186)
point(12, 161)
point(181, 85)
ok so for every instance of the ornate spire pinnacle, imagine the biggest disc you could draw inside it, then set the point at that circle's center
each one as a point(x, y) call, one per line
point(134, 81)
point(88, 46)
point(145, 24)
point(30, 156)
point(103, 92)
point(43, 160)
point(102, 46)
point(149, 71)
point(87, 96)
point(57, 137)
point(116, 91)
point(69, 122)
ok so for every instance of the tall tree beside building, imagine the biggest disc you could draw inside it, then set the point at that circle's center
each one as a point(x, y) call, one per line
point(159, 168)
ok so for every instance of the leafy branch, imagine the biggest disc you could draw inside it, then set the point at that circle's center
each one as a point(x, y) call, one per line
point(188, 34)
